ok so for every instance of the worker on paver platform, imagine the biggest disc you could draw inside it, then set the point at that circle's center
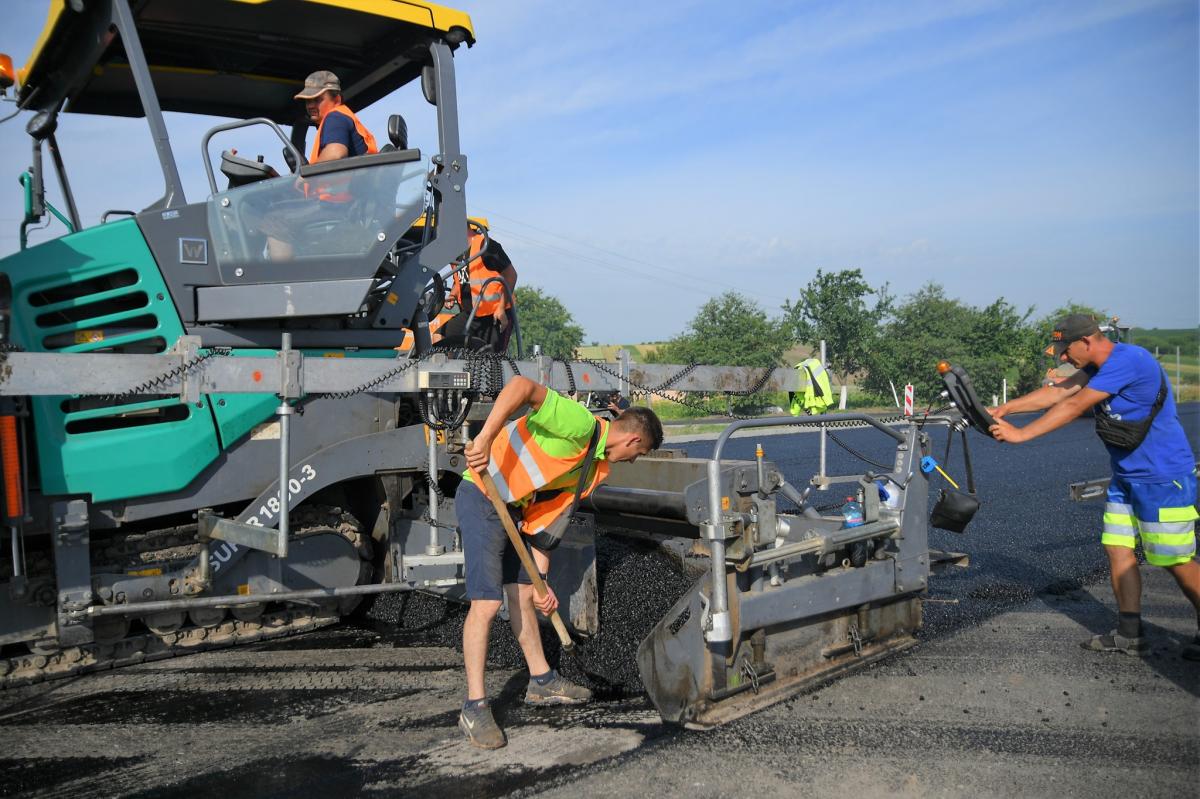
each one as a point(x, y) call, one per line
point(1153, 489)
point(488, 266)
point(340, 134)
point(494, 315)
point(542, 463)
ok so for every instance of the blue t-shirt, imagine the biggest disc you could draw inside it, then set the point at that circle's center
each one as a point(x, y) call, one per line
point(1132, 377)
point(337, 128)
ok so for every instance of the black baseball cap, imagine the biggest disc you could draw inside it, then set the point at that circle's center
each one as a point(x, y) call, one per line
point(1068, 329)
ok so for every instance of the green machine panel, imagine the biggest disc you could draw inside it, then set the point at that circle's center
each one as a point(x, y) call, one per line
point(99, 290)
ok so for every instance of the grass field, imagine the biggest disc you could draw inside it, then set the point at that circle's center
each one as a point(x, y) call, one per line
point(608, 352)
point(1188, 374)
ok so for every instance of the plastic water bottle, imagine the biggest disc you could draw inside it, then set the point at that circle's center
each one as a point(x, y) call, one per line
point(889, 493)
point(852, 513)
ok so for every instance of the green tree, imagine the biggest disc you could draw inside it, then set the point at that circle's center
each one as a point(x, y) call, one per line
point(547, 323)
point(992, 343)
point(837, 307)
point(1167, 339)
point(728, 330)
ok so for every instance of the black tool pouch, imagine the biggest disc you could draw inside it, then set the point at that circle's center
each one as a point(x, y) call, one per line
point(1129, 435)
point(955, 509)
point(550, 537)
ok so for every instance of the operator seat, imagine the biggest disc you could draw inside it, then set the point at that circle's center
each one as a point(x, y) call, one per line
point(397, 130)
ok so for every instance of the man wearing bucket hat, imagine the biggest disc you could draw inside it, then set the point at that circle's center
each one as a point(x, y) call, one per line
point(1152, 494)
point(340, 134)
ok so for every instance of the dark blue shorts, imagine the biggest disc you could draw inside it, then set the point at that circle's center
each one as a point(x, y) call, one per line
point(491, 561)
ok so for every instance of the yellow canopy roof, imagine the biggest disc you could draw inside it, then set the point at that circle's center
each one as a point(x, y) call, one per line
point(234, 58)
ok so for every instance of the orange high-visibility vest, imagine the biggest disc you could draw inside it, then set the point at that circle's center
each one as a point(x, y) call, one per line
point(493, 303)
point(521, 469)
point(333, 189)
point(439, 321)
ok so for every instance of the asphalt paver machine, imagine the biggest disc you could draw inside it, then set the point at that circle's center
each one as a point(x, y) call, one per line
point(110, 492)
point(204, 447)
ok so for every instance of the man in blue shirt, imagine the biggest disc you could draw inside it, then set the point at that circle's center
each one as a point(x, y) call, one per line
point(340, 134)
point(1152, 494)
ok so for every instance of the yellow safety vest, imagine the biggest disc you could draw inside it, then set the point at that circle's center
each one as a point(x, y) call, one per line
point(817, 396)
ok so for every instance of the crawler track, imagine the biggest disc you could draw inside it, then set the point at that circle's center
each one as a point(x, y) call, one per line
point(171, 548)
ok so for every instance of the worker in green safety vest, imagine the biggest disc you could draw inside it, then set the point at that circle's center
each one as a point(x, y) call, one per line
point(817, 395)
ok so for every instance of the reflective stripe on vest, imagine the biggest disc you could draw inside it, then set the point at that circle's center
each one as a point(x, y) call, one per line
point(520, 468)
point(435, 326)
point(333, 188)
point(540, 514)
point(491, 304)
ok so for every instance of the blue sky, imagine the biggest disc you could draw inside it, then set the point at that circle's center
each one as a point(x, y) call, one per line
point(637, 159)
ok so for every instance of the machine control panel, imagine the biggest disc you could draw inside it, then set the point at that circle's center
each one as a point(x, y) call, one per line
point(443, 380)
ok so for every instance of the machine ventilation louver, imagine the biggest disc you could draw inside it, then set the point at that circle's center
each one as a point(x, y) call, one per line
point(110, 312)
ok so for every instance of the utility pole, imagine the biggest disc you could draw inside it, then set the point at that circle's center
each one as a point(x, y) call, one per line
point(1178, 375)
point(822, 486)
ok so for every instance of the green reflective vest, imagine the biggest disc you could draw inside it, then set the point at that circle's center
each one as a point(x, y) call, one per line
point(818, 394)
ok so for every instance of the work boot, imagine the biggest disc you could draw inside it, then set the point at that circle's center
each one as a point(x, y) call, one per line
point(556, 691)
point(1191, 651)
point(1115, 642)
point(481, 729)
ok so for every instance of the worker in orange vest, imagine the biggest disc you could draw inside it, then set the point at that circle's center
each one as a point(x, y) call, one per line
point(542, 463)
point(489, 272)
point(494, 316)
point(340, 134)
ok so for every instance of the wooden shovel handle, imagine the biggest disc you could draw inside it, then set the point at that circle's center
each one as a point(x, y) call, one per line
point(539, 585)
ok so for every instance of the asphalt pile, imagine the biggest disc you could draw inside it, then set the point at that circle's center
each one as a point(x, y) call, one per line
point(637, 583)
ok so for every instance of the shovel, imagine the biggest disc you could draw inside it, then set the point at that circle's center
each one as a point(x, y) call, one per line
point(539, 585)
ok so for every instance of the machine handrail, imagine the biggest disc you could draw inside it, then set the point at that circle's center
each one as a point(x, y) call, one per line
point(243, 123)
point(359, 161)
point(509, 298)
point(805, 421)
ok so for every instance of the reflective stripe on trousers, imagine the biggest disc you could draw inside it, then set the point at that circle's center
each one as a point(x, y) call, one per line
point(1165, 542)
point(1169, 539)
point(1120, 526)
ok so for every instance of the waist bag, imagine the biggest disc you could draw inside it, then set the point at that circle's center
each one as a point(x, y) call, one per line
point(550, 537)
point(1129, 435)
